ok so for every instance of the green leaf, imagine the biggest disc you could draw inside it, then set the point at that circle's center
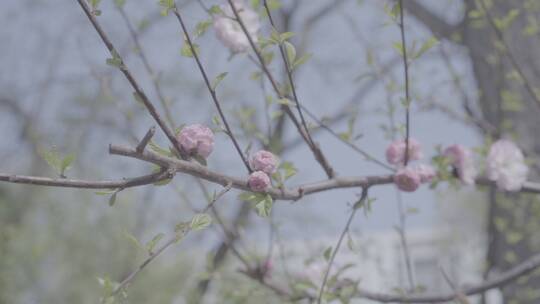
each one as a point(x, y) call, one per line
point(163, 182)
point(288, 169)
point(218, 79)
point(52, 157)
point(200, 221)
point(268, 57)
point(264, 207)
point(285, 36)
point(120, 3)
point(106, 192)
point(94, 4)
point(138, 98)
point(398, 46)
point(186, 50)
point(327, 253)
point(202, 27)
point(285, 101)
point(215, 9)
point(291, 51)
point(201, 160)
point(167, 5)
point(133, 240)
point(115, 60)
point(159, 150)
point(274, 4)
point(153, 242)
point(66, 163)
point(303, 59)
point(112, 199)
point(426, 46)
point(107, 286)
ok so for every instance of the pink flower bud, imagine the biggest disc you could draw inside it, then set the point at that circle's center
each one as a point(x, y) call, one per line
point(197, 139)
point(395, 153)
point(427, 173)
point(407, 179)
point(258, 181)
point(462, 161)
point(506, 165)
point(264, 161)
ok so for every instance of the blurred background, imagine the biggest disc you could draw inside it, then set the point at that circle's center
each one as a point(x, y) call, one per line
point(58, 95)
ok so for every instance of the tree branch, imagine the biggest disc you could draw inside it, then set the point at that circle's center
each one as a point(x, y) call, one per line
point(319, 156)
point(123, 68)
point(210, 88)
point(438, 26)
point(504, 278)
point(86, 184)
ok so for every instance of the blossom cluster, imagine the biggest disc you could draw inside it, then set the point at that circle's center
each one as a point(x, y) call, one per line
point(409, 178)
point(263, 163)
point(505, 165)
point(505, 162)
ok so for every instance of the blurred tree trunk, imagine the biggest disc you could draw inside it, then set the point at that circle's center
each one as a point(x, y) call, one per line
point(513, 220)
point(504, 101)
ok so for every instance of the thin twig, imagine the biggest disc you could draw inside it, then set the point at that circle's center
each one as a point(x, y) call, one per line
point(406, 76)
point(499, 281)
point(340, 240)
point(287, 65)
point(357, 149)
point(460, 297)
point(124, 69)
point(401, 229)
point(145, 263)
point(147, 137)
point(319, 156)
point(160, 250)
point(210, 88)
point(153, 76)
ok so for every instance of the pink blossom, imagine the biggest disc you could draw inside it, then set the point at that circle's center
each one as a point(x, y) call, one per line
point(427, 173)
point(506, 165)
point(197, 139)
point(461, 159)
point(259, 181)
point(228, 30)
point(407, 179)
point(395, 153)
point(264, 161)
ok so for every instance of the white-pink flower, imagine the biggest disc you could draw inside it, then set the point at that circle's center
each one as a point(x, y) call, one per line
point(506, 165)
point(264, 161)
point(395, 153)
point(228, 30)
point(427, 173)
point(259, 181)
point(197, 139)
point(407, 179)
point(462, 161)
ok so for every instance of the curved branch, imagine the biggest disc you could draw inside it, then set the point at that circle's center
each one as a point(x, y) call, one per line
point(86, 184)
point(521, 269)
point(293, 193)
